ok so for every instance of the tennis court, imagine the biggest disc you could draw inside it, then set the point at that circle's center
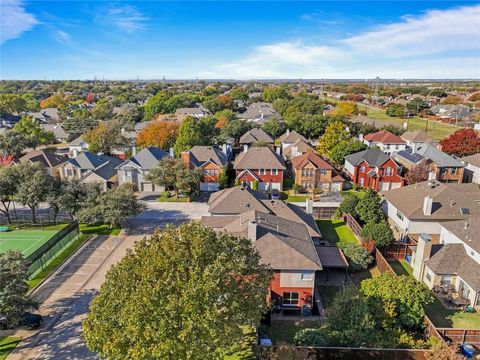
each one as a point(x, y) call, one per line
point(26, 241)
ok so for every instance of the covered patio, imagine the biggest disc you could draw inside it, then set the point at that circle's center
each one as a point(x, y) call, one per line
point(335, 267)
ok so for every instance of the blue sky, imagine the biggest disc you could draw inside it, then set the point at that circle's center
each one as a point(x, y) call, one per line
point(241, 40)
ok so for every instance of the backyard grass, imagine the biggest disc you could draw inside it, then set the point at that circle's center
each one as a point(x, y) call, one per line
point(283, 331)
point(336, 232)
point(99, 230)
point(55, 263)
point(358, 193)
point(358, 277)
point(293, 198)
point(401, 267)
point(443, 317)
point(7, 344)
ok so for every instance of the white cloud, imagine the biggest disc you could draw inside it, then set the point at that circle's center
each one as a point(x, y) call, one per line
point(126, 18)
point(14, 20)
point(62, 37)
point(437, 44)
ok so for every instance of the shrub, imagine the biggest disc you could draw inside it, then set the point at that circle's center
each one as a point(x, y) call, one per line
point(369, 208)
point(311, 337)
point(379, 232)
point(358, 257)
point(348, 205)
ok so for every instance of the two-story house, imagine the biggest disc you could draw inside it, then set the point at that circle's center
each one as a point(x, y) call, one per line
point(385, 140)
point(297, 148)
point(261, 165)
point(415, 138)
point(210, 160)
point(91, 168)
point(311, 171)
point(255, 135)
point(454, 261)
point(374, 169)
point(289, 137)
point(421, 207)
point(439, 165)
point(77, 146)
point(134, 170)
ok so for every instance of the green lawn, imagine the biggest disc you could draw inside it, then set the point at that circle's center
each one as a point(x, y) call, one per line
point(435, 129)
point(358, 277)
point(26, 241)
point(47, 227)
point(7, 344)
point(283, 331)
point(401, 267)
point(293, 198)
point(358, 193)
point(55, 263)
point(443, 317)
point(98, 230)
point(336, 232)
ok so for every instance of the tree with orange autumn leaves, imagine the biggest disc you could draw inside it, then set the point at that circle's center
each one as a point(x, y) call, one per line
point(161, 134)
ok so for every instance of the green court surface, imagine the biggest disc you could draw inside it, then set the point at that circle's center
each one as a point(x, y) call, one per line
point(26, 241)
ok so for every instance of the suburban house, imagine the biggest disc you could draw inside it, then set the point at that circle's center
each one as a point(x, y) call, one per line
point(58, 131)
point(290, 137)
point(453, 113)
point(258, 112)
point(452, 263)
point(385, 140)
point(92, 168)
point(284, 235)
point(422, 207)
point(255, 135)
point(283, 244)
point(298, 147)
point(77, 146)
point(196, 112)
point(374, 169)
point(48, 159)
point(261, 165)
point(240, 199)
point(311, 171)
point(134, 170)
point(210, 160)
point(440, 166)
point(472, 168)
point(47, 115)
point(415, 138)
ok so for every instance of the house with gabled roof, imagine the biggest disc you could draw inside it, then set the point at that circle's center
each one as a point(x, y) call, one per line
point(255, 135)
point(91, 168)
point(48, 159)
point(472, 168)
point(211, 161)
point(374, 169)
point(385, 140)
point(311, 171)
point(260, 165)
point(258, 112)
point(289, 137)
point(414, 138)
point(298, 147)
point(134, 170)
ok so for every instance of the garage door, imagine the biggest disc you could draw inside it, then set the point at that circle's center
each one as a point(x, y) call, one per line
point(147, 186)
point(209, 186)
point(395, 185)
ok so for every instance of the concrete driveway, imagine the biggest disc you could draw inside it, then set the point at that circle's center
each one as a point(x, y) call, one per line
point(66, 295)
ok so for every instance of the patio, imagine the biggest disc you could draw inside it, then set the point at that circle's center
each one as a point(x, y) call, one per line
point(451, 299)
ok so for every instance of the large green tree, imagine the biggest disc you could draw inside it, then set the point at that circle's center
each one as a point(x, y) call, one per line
point(189, 134)
point(335, 132)
point(14, 287)
point(104, 137)
point(343, 148)
point(379, 232)
point(8, 189)
point(33, 132)
point(185, 292)
point(369, 208)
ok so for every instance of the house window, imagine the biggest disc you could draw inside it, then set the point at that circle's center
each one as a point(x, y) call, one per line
point(274, 171)
point(323, 172)
point(454, 171)
point(396, 147)
point(362, 169)
point(290, 298)
point(128, 173)
point(307, 275)
point(478, 300)
point(361, 182)
point(428, 276)
point(261, 171)
point(388, 171)
point(463, 289)
point(69, 172)
point(445, 281)
point(399, 215)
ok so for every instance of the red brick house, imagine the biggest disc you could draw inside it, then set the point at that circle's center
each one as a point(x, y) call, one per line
point(210, 160)
point(260, 164)
point(374, 169)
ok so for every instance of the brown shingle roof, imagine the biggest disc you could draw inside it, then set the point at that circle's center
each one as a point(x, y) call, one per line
point(46, 158)
point(301, 145)
point(291, 137)
point(259, 158)
point(254, 135)
point(447, 200)
point(472, 159)
point(298, 162)
point(417, 136)
point(467, 230)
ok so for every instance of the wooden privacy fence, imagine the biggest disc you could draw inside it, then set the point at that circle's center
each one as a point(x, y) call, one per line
point(459, 336)
point(382, 264)
point(353, 225)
